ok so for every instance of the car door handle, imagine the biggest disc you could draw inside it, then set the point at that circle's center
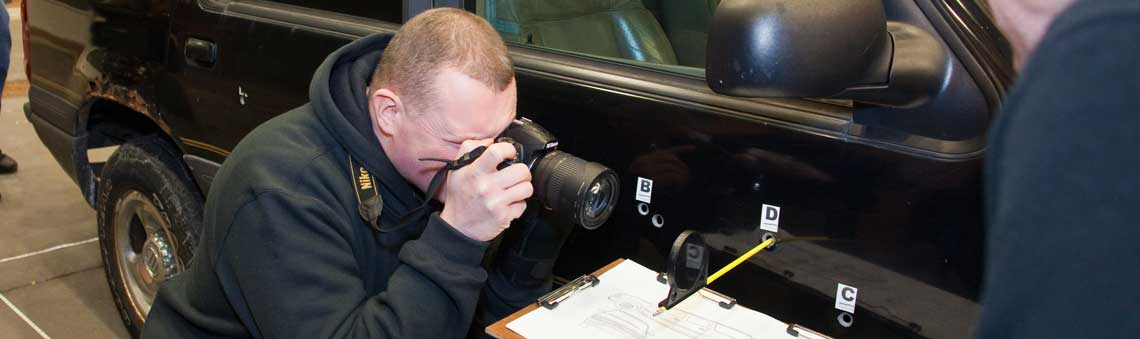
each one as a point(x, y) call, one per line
point(201, 53)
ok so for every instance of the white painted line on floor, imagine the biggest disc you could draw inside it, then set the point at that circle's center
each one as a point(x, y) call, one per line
point(22, 316)
point(53, 248)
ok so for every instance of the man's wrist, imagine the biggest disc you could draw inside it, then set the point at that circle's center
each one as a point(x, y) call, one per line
point(454, 245)
point(451, 221)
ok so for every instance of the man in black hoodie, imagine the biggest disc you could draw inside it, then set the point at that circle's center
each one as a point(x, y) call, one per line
point(303, 234)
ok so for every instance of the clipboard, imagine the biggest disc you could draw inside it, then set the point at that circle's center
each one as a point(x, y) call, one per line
point(499, 329)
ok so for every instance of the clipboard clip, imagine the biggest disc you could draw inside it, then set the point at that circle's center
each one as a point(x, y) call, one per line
point(722, 300)
point(799, 331)
point(552, 299)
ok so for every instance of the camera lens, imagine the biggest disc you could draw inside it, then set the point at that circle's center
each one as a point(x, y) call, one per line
point(598, 198)
point(583, 192)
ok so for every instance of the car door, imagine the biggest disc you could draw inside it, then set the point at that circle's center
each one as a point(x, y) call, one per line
point(239, 63)
point(279, 43)
point(263, 54)
point(885, 201)
point(198, 97)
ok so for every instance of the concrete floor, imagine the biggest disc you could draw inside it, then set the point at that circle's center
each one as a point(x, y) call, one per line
point(51, 275)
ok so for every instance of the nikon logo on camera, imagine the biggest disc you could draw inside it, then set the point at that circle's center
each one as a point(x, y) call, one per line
point(365, 180)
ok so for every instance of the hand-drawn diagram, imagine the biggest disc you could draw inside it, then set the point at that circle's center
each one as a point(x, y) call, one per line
point(622, 306)
point(632, 317)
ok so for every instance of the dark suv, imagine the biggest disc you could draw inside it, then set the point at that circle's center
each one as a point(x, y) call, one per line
point(851, 129)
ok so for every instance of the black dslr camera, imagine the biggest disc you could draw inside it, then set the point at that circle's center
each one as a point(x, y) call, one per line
point(577, 190)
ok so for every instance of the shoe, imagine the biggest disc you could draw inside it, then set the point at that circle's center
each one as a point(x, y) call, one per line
point(7, 164)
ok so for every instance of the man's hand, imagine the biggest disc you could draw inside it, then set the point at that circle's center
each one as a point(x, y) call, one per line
point(479, 200)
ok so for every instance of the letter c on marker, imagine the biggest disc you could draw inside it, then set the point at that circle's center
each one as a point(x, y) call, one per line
point(847, 293)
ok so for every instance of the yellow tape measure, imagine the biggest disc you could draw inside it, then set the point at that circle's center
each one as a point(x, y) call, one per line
point(688, 267)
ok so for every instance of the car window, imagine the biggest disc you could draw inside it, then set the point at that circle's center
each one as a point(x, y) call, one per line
point(385, 10)
point(663, 34)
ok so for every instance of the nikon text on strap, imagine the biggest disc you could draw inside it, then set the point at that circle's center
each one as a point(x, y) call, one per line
point(368, 200)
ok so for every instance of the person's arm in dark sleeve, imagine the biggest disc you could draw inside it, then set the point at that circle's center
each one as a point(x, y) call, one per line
point(523, 268)
point(290, 262)
point(1063, 188)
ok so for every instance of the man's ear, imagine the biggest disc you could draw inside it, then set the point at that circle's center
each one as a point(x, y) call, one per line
point(386, 110)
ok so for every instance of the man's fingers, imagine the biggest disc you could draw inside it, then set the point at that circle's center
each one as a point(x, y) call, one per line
point(510, 196)
point(517, 193)
point(512, 175)
point(495, 154)
point(517, 209)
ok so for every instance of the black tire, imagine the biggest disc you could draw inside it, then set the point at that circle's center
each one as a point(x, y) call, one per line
point(150, 213)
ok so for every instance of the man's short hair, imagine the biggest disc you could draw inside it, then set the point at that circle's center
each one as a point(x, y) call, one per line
point(438, 39)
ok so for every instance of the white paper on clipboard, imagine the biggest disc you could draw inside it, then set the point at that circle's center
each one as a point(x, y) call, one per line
point(622, 306)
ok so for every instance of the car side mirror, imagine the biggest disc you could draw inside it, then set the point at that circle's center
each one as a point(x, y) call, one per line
point(822, 49)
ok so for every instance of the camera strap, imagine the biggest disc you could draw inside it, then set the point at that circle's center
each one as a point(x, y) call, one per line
point(437, 182)
point(368, 201)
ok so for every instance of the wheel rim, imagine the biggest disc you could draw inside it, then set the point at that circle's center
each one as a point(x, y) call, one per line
point(145, 255)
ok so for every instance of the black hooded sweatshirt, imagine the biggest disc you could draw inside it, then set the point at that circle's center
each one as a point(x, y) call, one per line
point(284, 252)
